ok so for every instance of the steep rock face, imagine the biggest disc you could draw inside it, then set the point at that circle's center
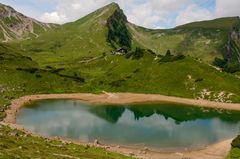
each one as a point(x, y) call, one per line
point(231, 61)
point(16, 26)
point(234, 45)
point(118, 33)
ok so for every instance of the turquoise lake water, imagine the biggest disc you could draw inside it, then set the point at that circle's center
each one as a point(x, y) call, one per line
point(161, 125)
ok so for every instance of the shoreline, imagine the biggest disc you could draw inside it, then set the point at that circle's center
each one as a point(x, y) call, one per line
point(218, 150)
point(215, 151)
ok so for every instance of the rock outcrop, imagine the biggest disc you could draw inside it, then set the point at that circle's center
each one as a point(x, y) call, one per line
point(16, 26)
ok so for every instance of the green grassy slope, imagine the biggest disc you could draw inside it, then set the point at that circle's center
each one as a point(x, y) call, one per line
point(84, 37)
point(220, 23)
point(205, 40)
point(184, 78)
point(81, 48)
point(76, 57)
point(20, 76)
point(16, 144)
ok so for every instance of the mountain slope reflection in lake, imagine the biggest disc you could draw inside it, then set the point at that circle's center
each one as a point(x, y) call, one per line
point(155, 125)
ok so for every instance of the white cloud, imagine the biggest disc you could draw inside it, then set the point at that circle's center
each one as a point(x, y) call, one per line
point(153, 13)
point(54, 17)
point(193, 13)
point(226, 8)
point(223, 8)
point(70, 10)
point(147, 13)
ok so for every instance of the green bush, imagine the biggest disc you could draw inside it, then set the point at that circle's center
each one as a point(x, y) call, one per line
point(38, 75)
point(170, 58)
point(219, 62)
point(137, 54)
point(236, 142)
point(199, 80)
point(29, 70)
point(232, 67)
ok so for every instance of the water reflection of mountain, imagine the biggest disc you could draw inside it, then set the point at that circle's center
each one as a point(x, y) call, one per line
point(109, 113)
point(179, 113)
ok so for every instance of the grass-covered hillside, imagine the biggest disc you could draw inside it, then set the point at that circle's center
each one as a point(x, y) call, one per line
point(19, 76)
point(198, 60)
point(205, 40)
point(73, 41)
point(83, 49)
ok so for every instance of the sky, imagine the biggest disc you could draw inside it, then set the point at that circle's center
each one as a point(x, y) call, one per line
point(146, 13)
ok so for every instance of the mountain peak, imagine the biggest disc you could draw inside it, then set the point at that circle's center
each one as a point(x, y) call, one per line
point(15, 25)
point(114, 4)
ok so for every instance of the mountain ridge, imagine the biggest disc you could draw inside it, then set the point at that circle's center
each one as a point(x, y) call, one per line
point(16, 26)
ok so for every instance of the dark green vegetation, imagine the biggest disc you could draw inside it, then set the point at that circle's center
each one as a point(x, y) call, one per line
point(117, 30)
point(16, 144)
point(235, 151)
point(171, 58)
point(236, 142)
point(76, 57)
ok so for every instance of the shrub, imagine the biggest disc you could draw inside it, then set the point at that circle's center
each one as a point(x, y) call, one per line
point(56, 70)
point(49, 67)
point(152, 52)
point(137, 54)
point(170, 58)
point(168, 53)
point(232, 67)
point(38, 75)
point(19, 69)
point(236, 142)
point(199, 80)
point(136, 71)
point(219, 62)
point(29, 70)
point(117, 83)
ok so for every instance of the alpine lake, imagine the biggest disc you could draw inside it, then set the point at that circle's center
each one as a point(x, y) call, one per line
point(154, 125)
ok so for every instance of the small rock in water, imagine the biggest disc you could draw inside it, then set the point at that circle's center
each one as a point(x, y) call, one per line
point(118, 146)
point(145, 149)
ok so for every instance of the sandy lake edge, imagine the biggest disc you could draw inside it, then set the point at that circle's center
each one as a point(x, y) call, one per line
point(215, 151)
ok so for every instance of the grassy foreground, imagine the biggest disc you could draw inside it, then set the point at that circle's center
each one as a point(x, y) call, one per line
point(16, 144)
